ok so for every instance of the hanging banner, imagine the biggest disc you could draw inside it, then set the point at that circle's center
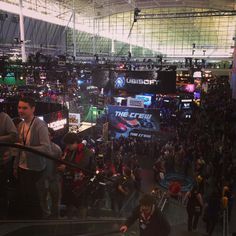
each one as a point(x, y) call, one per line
point(144, 81)
point(134, 122)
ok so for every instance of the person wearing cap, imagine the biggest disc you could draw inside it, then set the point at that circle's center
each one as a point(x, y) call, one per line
point(151, 220)
point(74, 180)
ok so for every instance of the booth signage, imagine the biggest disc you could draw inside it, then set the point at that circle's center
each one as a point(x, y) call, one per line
point(133, 121)
point(58, 121)
point(136, 82)
point(59, 124)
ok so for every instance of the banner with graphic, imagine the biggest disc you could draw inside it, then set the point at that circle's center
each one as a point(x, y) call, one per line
point(133, 122)
point(74, 119)
point(136, 82)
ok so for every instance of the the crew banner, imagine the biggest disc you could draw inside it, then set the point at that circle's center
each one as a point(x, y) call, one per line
point(133, 122)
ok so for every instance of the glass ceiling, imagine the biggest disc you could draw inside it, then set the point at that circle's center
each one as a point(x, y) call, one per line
point(212, 36)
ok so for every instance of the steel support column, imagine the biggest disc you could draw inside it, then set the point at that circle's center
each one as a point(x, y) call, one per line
point(22, 32)
point(74, 32)
point(233, 80)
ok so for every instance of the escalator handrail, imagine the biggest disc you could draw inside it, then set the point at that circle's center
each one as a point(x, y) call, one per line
point(101, 234)
point(46, 155)
point(128, 201)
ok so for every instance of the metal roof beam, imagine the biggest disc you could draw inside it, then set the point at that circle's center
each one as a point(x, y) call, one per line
point(185, 15)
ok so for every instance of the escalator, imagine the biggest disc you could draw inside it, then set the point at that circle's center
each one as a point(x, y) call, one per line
point(100, 223)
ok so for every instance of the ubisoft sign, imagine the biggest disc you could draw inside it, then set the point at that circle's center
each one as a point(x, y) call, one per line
point(142, 81)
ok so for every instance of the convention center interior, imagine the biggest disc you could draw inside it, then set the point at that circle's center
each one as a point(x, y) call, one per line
point(117, 117)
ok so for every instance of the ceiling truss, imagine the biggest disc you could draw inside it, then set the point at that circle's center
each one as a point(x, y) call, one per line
point(185, 15)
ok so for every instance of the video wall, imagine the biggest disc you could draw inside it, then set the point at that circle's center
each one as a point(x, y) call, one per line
point(133, 122)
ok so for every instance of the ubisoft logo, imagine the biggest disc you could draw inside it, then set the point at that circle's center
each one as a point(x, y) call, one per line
point(120, 82)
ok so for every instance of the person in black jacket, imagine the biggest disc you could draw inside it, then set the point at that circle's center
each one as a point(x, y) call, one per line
point(194, 207)
point(151, 220)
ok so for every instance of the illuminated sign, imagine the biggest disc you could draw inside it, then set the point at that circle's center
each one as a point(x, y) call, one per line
point(59, 124)
point(197, 74)
point(186, 100)
point(142, 81)
point(140, 135)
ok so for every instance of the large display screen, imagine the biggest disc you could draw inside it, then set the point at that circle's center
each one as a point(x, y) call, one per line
point(134, 122)
point(147, 100)
point(186, 88)
point(144, 81)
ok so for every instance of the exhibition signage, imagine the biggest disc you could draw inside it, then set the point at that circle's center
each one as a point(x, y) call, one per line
point(57, 125)
point(132, 121)
point(58, 121)
point(144, 81)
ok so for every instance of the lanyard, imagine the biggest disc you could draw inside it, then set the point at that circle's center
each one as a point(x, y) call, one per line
point(25, 137)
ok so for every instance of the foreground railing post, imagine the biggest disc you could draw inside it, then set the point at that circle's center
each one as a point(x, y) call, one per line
point(223, 233)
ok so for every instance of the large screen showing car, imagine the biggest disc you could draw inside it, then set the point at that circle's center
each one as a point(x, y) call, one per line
point(134, 122)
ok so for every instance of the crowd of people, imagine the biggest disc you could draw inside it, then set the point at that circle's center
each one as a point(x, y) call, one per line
point(109, 173)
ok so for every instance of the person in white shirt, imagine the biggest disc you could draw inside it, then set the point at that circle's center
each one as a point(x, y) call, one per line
point(29, 167)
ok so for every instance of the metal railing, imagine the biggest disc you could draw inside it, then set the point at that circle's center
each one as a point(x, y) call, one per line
point(32, 150)
point(103, 233)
